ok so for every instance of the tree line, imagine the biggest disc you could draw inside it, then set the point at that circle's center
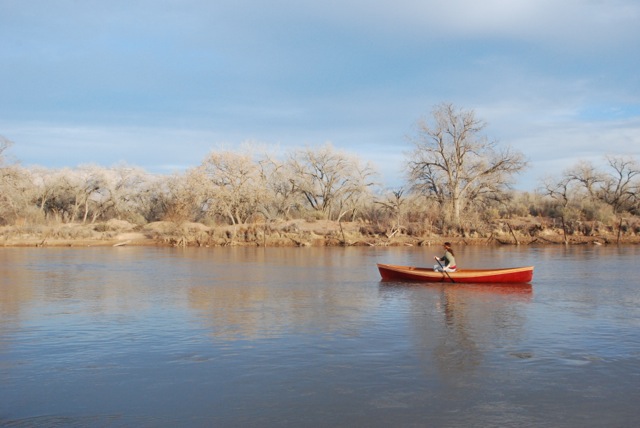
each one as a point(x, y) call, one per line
point(458, 181)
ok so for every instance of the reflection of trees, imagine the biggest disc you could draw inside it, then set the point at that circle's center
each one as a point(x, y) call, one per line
point(235, 312)
point(457, 352)
point(15, 286)
point(15, 293)
point(252, 293)
point(254, 311)
point(93, 281)
point(468, 321)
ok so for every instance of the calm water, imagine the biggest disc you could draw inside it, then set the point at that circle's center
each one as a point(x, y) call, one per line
point(310, 337)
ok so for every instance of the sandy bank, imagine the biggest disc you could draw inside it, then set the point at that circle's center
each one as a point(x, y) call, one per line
point(294, 233)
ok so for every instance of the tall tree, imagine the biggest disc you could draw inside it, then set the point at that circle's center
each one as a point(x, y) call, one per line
point(454, 163)
point(14, 188)
point(586, 174)
point(333, 183)
point(233, 185)
point(616, 187)
point(620, 188)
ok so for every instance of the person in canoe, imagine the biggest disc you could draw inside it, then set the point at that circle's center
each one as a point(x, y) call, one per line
point(446, 263)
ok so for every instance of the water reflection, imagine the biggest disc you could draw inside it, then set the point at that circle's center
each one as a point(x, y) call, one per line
point(222, 337)
point(261, 311)
point(457, 352)
point(476, 319)
point(274, 293)
point(456, 326)
point(16, 289)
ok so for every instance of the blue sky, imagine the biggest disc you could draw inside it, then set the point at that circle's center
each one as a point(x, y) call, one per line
point(159, 84)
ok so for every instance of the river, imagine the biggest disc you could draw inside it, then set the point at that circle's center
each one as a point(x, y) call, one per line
point(311, 337)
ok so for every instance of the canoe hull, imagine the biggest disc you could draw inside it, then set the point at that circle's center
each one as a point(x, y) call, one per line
point(495, 276)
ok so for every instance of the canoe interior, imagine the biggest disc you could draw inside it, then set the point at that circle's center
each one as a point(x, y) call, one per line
point(501, 275)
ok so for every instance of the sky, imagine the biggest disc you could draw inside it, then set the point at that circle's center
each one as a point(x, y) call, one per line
point(159, 84)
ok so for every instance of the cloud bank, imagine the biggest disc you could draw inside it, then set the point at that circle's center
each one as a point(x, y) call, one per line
point(160, 83)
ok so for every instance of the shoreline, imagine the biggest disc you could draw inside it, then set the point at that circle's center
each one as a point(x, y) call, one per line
point(294, 233)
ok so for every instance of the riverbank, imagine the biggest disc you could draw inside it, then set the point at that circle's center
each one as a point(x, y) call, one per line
point(302, 233)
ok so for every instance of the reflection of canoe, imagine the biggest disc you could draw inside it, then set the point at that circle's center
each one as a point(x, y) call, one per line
point(518, 291)
point(508, 275)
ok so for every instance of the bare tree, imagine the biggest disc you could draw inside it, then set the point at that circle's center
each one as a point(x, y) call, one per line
point(15, 186)
point(66, 193)
point(586, 174)
point(558, 189)
point(178, 198)
point(42, 191)
point(393, 202)
point(620, 188)
point(454, 163)
point(155, 200)
point(233, 185)
point(279, 180)
point(90, 187)
point(331, 182)
point(617, 188)
point(563, 191)
point(122, 194)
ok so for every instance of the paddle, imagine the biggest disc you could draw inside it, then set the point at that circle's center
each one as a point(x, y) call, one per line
point(445, 271)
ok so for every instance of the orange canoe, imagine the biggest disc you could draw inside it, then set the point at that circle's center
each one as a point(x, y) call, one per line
point(411, 273)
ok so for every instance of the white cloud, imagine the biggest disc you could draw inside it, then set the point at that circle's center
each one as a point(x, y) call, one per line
point(579, 24)
point(161, 82)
